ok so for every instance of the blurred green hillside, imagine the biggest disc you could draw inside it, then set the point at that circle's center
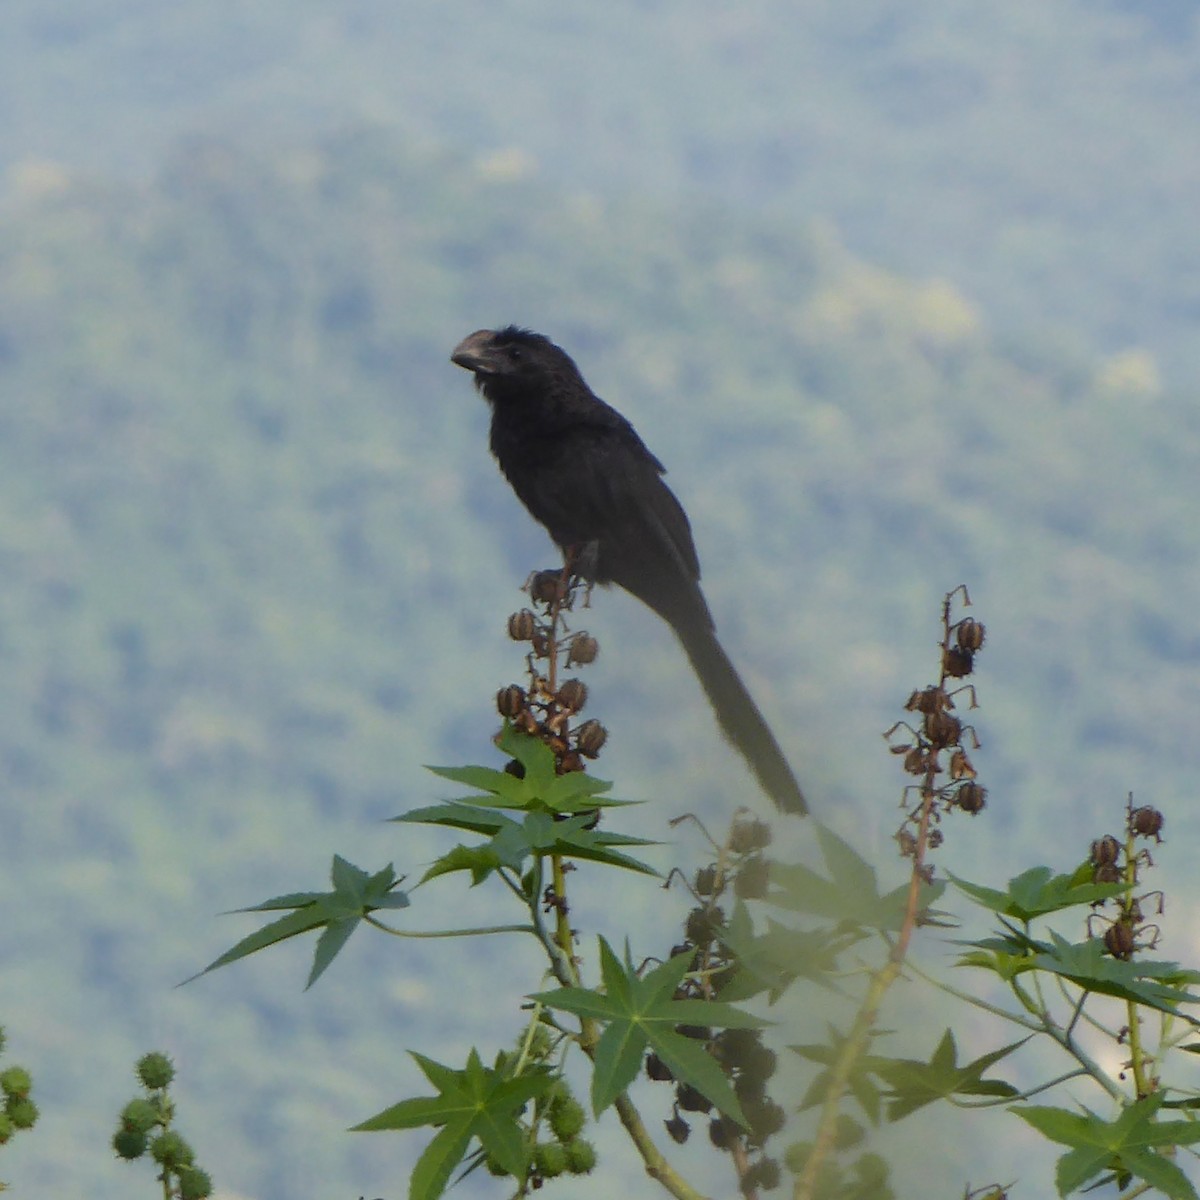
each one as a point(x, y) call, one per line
point(256, 565)
point(1041, 154)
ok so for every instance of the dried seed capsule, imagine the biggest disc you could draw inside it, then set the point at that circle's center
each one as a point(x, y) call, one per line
point(691, 1099)
point(1146, 822)
point(573, 695)
point(590, 738)
point(1118, 940)
point(569, 761)
point(927, 700)
point(511, 700)
point(1106, 873)
point(656, 1069)
point(678, 1129)
point(521, 626)
point(706, 881)
point(1105, 850)
point(960, 766)
point(544, 586)
point(970, 635)
point(971, 798)
point(942, 729)
point(750, 883)
point(748, 835)
point(957, 663)
point(583, 650)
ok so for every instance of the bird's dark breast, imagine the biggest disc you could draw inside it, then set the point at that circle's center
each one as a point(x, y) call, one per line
point(547, 473)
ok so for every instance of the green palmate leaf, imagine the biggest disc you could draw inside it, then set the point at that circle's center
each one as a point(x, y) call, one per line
point(1038, 891)
point(336, 913)
point(850, 895)
point(1125, 1147)
point(541, 787)
point(914, 1084)
point(861, 1081)
point(476, 1103)
point(455, 815)
point(643, 1012)
point(1160, 985)
point(538, 834)
point(771, 961)
point(479, 861)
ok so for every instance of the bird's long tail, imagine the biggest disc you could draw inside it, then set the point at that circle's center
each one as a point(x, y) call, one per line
point(738, 715)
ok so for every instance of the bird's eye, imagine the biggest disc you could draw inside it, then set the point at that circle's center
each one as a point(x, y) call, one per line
point(515, 353)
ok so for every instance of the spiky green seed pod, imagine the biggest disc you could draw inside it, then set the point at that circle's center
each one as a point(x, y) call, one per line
point(171, 1150)
point(194, 1184)
point(581, 1156)
point(155, 1070)
point(141, 1115)
point(567, 1118)
point(549, 1159)
point(22, 1111)
point(15, 1081)
point(129, 1144)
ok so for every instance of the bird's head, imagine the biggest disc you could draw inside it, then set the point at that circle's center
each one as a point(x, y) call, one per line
point(512, 360)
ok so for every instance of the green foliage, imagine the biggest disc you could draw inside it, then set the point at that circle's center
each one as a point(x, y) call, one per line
point(1122, 1150)
point(641, 1011)
point(474, 1103)
point(338, 913)
point(146, 1128)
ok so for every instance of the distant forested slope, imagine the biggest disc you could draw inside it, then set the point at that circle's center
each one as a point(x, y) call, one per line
point(1041, 154)
point(256, 560)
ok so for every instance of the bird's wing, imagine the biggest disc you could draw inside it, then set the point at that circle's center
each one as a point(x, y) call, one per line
point(599, 486)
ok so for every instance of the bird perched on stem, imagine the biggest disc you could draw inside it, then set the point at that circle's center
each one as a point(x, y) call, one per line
point(580, 469)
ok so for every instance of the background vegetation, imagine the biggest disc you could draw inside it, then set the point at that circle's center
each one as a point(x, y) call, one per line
point(256, 559)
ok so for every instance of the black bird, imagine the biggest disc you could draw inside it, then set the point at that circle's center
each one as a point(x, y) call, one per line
point(580, 468)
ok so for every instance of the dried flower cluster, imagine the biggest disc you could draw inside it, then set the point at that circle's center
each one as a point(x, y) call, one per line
point(932, 742)
point(546, 706)
point(1123, 863)
point(739, 872)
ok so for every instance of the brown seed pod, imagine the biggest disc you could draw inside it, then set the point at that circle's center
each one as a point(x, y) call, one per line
point(750, 883)
point(678, 1129)
point(942, 729)
point(915, 761)
point(960, 766)
point(970, 635)
point(544, 586)
point(1106, 873)
point(573, 695)
point(583, 650)
point(971, 797)
point(569, 761)
point(957, 663)
point(929, 699)
point(705, 882)
point(590, 738)
point(1106, 850)
point(936, 837)
point(656, 1069)
point(691, 1099)
point(907, 843)
point(521, 626)
point(1146, 822)
point(526, 722)
point(512, 701)
point(748, 835)
point(1119, 940)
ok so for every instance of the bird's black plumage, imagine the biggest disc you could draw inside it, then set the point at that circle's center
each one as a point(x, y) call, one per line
point(579, 467)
